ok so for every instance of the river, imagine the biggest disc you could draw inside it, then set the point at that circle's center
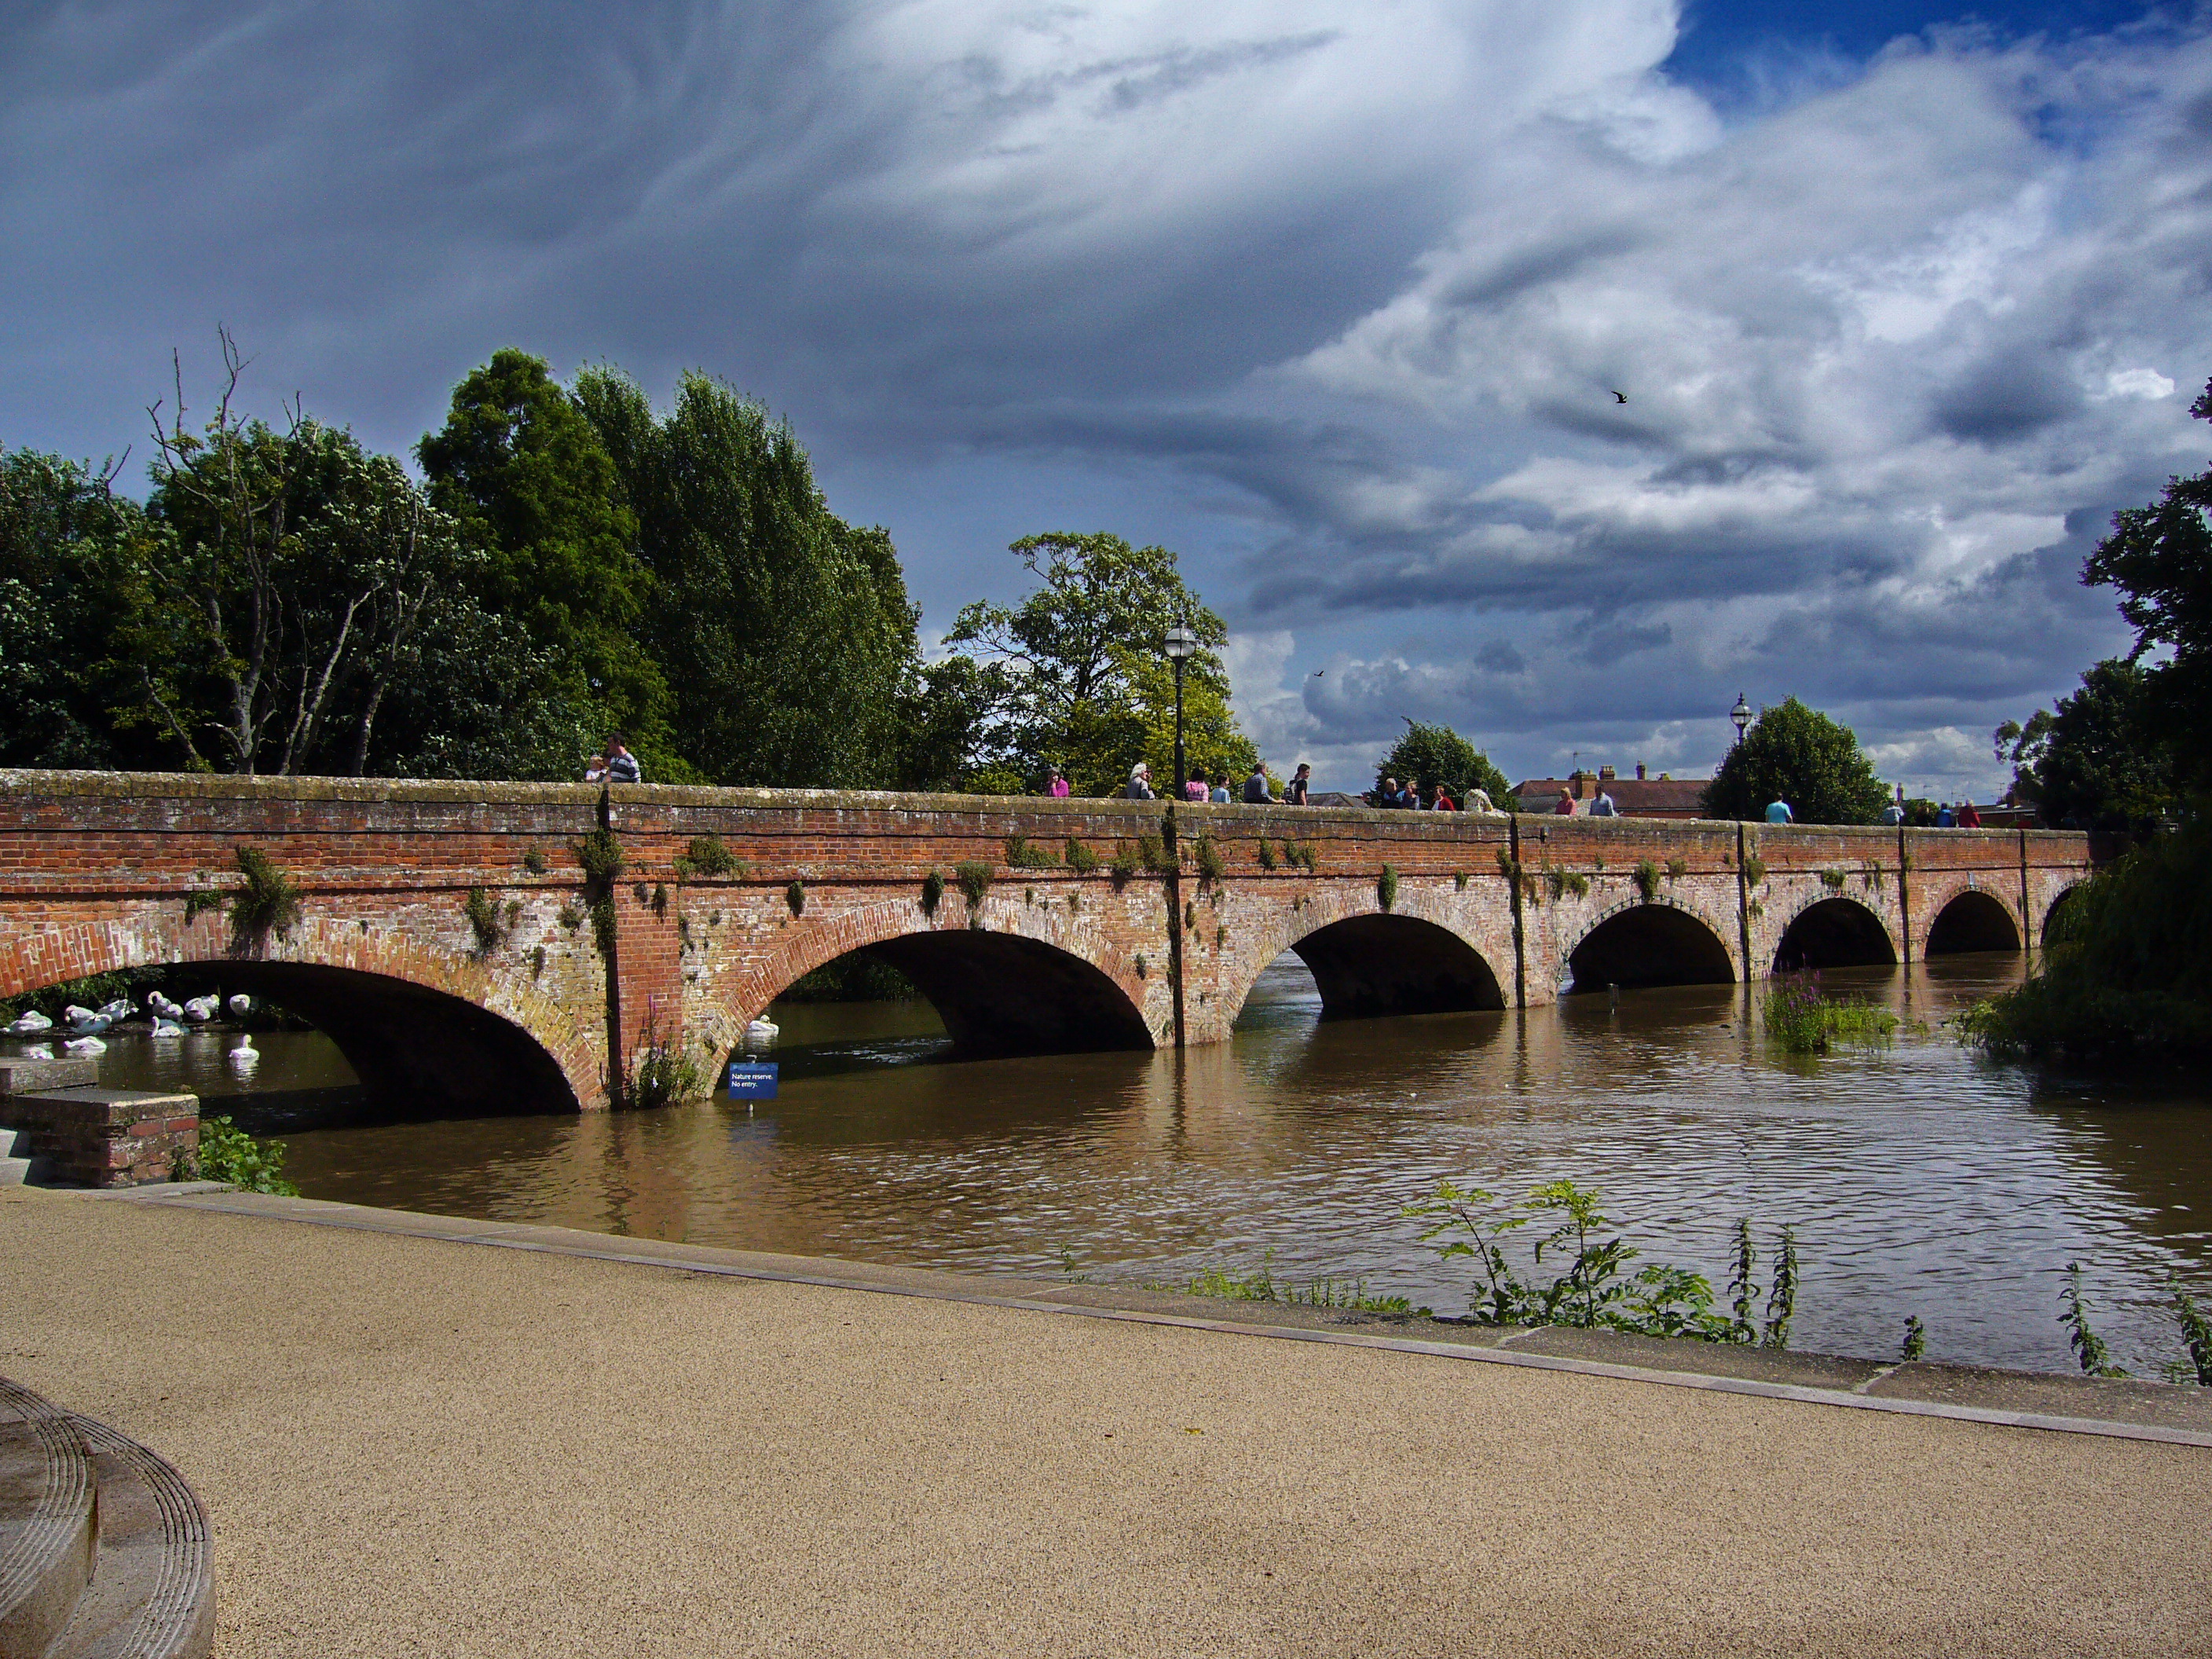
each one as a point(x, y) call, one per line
point(1921, 1178)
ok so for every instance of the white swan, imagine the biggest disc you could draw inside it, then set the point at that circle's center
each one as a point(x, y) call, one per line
point(38, 1051)
point(201, 1008)
point(762, 1034)
point(245, 1056)
point(240, 1007)
point(118, 1009)
point(167, 1027)
point(76, 1013)
point(163, 1008)
point(85, 1045)
point(91, 1026)
point(30, 1023)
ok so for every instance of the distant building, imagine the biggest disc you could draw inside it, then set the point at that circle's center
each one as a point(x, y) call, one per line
point(1639, 796)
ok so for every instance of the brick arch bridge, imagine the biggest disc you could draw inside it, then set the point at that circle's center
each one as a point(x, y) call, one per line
point(98, 870)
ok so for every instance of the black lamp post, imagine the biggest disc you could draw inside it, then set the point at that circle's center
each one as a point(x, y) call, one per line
point(1741, 714)
point(1181, 646)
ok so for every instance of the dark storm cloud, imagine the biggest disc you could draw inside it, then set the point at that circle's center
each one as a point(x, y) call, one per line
point(1338, 295)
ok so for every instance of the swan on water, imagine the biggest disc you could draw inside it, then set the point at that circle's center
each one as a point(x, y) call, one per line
point(40, 1051)
point(118, 1009)
point(163, 1007)
point(240, 1007)
point(29, 1023)
point(76, 1013)
point(245, 1054)
point(85, 1045)
point(762, 1033)
point(200, 1008)
point(167, 1027)
point(91, 1026)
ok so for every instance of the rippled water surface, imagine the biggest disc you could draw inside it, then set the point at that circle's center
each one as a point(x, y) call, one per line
point(1921, 1178)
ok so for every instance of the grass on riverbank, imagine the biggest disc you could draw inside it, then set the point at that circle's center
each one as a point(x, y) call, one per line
point(1262, 1287)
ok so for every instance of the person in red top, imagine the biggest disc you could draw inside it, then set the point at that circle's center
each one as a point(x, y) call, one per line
point(1444, 801)
point(1565, 809)
point(1968, 817)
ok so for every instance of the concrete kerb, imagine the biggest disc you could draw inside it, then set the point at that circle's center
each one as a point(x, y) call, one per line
point(1915, 1389)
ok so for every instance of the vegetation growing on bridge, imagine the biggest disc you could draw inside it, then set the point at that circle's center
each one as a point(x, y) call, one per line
point(1080, 858)
point(974, 876)
point(1022, 854)
point(707, 855)
point(267, 901)
point(1386, 887)
point(1647, 876)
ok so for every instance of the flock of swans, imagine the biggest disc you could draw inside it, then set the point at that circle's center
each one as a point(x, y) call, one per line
point(81, 1027)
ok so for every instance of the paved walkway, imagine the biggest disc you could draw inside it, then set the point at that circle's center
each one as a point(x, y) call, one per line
point(416, 1445)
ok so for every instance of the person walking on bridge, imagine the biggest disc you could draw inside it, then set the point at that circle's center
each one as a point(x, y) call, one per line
point(622, 765)
point(1294, 792)
point(1778, 812)
point(1969, 818)
point(1256, 791)
point(1565, 806)
point(1141, 783)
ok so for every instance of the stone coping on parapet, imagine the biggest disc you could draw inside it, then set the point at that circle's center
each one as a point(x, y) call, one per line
point(225, 785)
point(2047, 1401)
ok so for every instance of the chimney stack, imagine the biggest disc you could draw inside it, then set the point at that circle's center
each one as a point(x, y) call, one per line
point(1639, 771)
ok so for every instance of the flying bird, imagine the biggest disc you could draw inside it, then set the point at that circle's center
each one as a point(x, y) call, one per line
point(1620, 397)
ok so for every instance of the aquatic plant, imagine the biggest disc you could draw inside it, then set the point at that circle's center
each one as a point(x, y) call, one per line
point(1804, 1022)
point(249, 1162)
point(2088, 1347)
point(1915, 1344)
point(2196, 1335)
point(1596, 1291)
point(1261, 1285)
point(661, 1072)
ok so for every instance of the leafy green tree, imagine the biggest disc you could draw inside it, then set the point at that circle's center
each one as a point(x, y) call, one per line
point(1088, 687)
point(280, 594)
point(1798, 755)
point(1433, 755)
point(2159, 557)
point(2098, 760)
point(946, 712)
point(786, 634)
point(524, 473)
point(64, 539)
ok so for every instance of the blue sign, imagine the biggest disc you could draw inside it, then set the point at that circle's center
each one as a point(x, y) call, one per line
point(752, 1080)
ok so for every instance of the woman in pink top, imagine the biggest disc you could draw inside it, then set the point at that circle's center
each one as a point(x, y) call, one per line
point(1058, 783)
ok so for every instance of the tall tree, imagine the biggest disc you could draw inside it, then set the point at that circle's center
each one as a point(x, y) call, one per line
point(1798, 755)
point(524, 472)
point(786, 633)
point(1089, 690)
point(2159, 557)
point(1433, 755)
point(2100, 760)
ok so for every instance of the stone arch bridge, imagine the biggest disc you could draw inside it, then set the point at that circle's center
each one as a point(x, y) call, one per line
point(449, 938)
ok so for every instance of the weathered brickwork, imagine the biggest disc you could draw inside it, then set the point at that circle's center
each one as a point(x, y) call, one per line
point(96, 869)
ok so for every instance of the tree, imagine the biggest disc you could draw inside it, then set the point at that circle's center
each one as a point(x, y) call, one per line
point(2098, 760)
point(786, 634)
point(1089, 689)
point(1433, 755)
point(1798, 755)
point(63, 537)
point(2160, 559)
point(281, 594)
point(527, 478)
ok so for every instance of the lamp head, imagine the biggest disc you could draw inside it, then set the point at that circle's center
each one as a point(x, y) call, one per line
point(1741, 713)
point(1181, 643)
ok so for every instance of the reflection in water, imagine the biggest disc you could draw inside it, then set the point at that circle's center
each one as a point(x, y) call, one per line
point(1922, 1179)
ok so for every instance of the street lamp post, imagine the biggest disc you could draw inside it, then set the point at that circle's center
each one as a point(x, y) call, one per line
point(1741, 714)
point(1181, 645)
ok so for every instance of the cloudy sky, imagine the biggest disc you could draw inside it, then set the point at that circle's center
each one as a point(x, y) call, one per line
point(1333, 296)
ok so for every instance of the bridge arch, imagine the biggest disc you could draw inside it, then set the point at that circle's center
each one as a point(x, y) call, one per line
point(1834, 932)
point(1412, 959)
point(1972, 921)
point(431, 1030)
point(1645, 942)
point(1031, 979)
point(2064, 898)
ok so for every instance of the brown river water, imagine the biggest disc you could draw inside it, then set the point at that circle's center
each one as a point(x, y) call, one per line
point(1921, 1178)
